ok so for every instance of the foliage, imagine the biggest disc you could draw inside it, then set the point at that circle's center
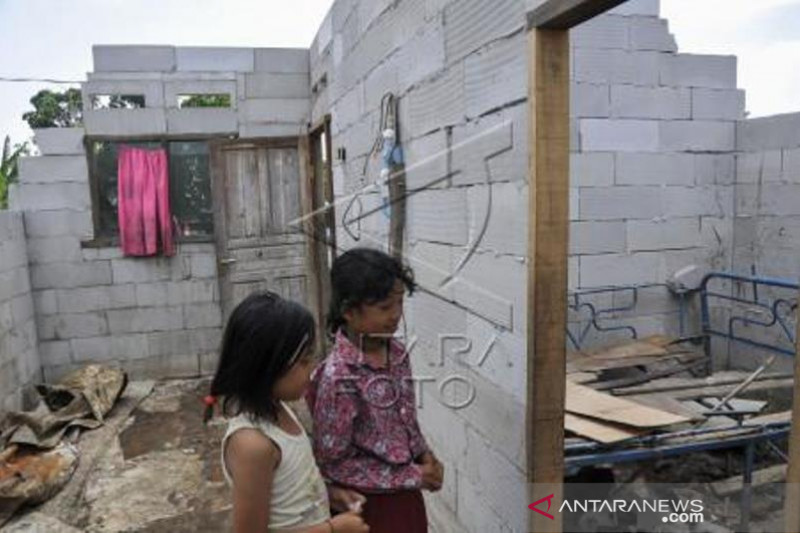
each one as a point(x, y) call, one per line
point(55, 109)
point(205, 100)
point(9, 167)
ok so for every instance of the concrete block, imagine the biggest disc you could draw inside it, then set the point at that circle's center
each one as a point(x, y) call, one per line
point(133, 58)
point(438, 103)
point(715, 104)
point(697, 136)
point(649, 33)
point(53, 169)
point(72, 326)
point(172, 90)
point(498, 216)
point(628, 101)
point(650, 8)
point(271, 85)
point(777, 199)
point(55, 352)
point(601, 135)
point(616, 66)
point(200, 58)
point(141, 319)
point(432, 264)
point(125, 122)
point(52, 196)
point(175, 293)
point(118, 347)
point(714, 169)
point(202, 121)
point(275, 129)
point(654, 235)
point(152, 90)
point(502, 481)
point(421, 57)
point(477, 143)
point(791, 165)
point(202, 316)
point(767, 133)
point(204, 265)
point(370, 49)
point(590, 100)
point(69, 275)
point(757, 167)
point(697, 201)
point(281, 110)
point(13, 256)
point(438, 216)
point(689, 70)
point(57, 223)
point(45, 302)
point(164, 367)
point(381, 80)
point(618, 203)
point(605, 31)
point(22, 310)
point(620, 269)
point(196, 341)
point(496, 75)
point(488, 286)
point(324, 35)
point(471, 24)
point(427, 160)
point(590, 238)
point(139, 270)
point(350, 108)
point(54, 249)
point(655, 169)
point(101, 254)
point(59, 141)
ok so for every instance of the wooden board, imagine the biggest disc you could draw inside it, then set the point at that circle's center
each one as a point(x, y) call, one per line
point(676, 384)
point(593, 364)
point(702, 392)
point(548, 237)
point(588, 402)
point(582, 377)
point(732, 485)
point(565, 14)
point(771, 418)
point(598, 431)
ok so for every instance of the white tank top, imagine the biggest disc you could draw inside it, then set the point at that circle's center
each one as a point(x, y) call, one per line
point(299, 497)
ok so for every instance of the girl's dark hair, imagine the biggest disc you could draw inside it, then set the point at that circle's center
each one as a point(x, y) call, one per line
point(264, 337)
point(363, 276)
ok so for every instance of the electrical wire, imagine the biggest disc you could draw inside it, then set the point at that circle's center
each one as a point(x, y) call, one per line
point(38, 80)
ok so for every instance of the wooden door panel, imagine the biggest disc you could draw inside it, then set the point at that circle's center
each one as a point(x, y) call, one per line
point(259, 195)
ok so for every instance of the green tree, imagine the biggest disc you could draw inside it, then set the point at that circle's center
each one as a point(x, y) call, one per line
point(55, 109)
point(205, 100)
point(9, 168)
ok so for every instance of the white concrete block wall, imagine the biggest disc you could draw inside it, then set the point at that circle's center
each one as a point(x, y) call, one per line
point(20, 365)
point(768, 196)
point(93, 304)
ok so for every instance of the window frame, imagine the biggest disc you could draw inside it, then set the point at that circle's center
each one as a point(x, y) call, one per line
point(107, 241)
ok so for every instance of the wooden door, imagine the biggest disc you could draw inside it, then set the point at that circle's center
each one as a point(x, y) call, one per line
point(256, 200)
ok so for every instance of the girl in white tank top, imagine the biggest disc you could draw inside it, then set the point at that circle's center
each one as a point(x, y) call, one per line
point(265, 361)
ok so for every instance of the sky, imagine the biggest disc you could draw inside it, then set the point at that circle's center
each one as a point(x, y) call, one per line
point(53, 39)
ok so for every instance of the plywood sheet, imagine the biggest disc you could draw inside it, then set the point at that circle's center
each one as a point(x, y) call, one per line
point(598, 431)
point(588, 402)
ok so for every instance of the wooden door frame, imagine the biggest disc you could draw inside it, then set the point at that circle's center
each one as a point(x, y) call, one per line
point(315, 189)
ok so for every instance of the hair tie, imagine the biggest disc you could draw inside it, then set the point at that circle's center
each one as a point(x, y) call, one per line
point(210, 400)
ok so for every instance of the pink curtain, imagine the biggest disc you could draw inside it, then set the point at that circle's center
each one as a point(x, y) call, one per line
point(143, 202)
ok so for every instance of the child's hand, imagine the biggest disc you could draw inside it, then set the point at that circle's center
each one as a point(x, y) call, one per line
point(349, 523)
point(432, 472)
point(343, 500)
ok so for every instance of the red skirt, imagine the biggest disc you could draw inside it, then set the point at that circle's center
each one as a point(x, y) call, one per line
point(396, 512)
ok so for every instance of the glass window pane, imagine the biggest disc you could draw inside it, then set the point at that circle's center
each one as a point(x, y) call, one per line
point(190, 187)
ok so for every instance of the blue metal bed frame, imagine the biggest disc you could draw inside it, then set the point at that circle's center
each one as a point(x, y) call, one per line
point(657, 446)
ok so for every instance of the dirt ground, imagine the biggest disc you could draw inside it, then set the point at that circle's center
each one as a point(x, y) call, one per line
point(154, 467)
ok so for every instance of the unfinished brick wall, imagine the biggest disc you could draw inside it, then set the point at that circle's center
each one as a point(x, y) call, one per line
point(653, 141)
point(154, 317)
point(19, 354)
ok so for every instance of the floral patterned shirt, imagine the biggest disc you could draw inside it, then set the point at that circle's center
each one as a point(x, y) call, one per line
point(366, 434)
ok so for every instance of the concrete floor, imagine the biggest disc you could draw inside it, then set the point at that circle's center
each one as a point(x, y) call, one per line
point(154, 467)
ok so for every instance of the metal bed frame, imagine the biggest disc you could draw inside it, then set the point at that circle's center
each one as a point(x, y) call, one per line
point(744, 290)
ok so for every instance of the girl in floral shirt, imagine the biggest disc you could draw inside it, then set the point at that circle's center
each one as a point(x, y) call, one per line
point(366, 434)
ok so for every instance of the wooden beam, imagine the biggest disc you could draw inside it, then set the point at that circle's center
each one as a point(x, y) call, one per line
point(565, 14)
point(792, 499)
point(548, 232)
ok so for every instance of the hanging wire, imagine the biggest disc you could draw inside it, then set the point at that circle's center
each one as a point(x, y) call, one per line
point(38, 80)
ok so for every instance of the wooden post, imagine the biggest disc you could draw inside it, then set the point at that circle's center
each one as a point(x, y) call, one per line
point(792, 499)
point(548, 232)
